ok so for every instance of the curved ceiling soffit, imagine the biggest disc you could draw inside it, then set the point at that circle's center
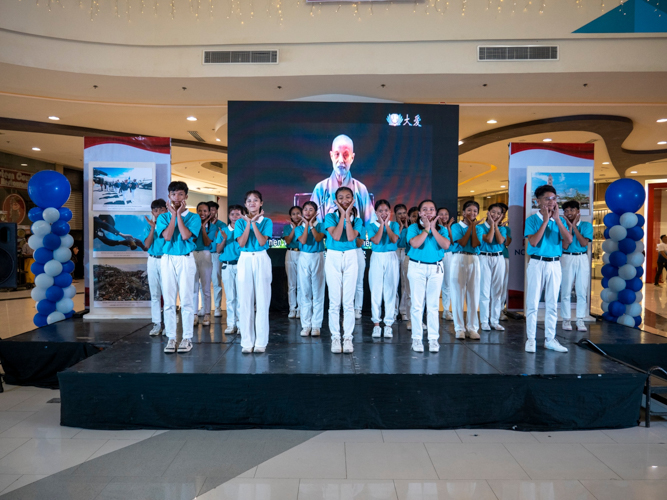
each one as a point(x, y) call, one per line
point(613, 130)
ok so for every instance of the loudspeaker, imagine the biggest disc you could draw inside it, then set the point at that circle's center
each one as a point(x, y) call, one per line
point(8, 255)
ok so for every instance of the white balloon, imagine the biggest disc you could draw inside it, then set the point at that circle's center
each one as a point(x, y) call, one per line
point(636, 259)
point(618, 233)
point(609, 246)
point(41, 228)
point(51, 215)
point(62, 254)
point(608, 295)
point(605, 258)
point(66, 241)
point(627, 272)
point(633, 309)
point(56, 316)
point(639, 296)
point(38, 294)
point(628, 220)
point(69, 292)
point(616, 284)
point(53, 268)
point(605, 307)
point(35, 242)
point(65, 305)
point(639, 246)
point(625, 320)
point(43, 281)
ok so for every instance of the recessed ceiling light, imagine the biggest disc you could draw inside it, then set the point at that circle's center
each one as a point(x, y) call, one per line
point(24, 164)
point(472, 191)
point(217, 140)
point(662, 142)
point(503, 186)
point(192, 118)
point(55, 118)
point(546, 140)
point(633, 172)
point(662, 120)
point(488, 197)
point(209, 188)
point(36, 149)
point(460, 142)
point(491, 121)
point(605, 163)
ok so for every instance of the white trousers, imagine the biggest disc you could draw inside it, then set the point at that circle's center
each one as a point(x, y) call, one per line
point(383, 282)
point(405, 267)
point(506, 281)
point(203, 279)
point(401, 292)
point(541, 275)
point(311, 289)
point(492, 270)
point(253, 281)
point(464, 285)
point(292, 270)
point(228, 275)
point(178, 278)
point(341, 269)
point(425, 282)
point(576, 269)
point(216, 280)
point(154, 283)
point(446, 294)
point(361, 269)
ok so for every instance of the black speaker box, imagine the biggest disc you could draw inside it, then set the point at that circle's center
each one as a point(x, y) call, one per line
point(8, 255)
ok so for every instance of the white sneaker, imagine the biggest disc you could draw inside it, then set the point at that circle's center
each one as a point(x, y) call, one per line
point(347, 346)
point(554, 345)
point(377, 332)
point(357, 314)
point(486, 327)
point(218, 312)
point(170, 347)
point(530, 345)
point(315, 332)
point(417, 345)
point(207, 320)
point(335, 345)
point(388, 332)
point(246, 350)
point(230, 329)
point(292, 314)
point(567, 326)
point(498, 327)
point(581, 326)
point(185, 345)
point(409, 325)
point(433, 346)
point(461, 335)
point(157, 328)
point(473, 335)
point(305, 332)
point(503, 317)
point(259, 349)
point(298, 314)
point(200, 312)
point(448, 316)
point(196, 321)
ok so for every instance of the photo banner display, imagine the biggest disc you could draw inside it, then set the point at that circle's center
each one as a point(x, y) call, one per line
point(569, 168)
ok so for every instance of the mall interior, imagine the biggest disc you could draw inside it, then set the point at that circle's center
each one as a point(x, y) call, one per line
point(527, 71)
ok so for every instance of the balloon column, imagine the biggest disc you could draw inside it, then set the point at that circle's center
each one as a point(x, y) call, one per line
point(51, 243)
point(623, 258)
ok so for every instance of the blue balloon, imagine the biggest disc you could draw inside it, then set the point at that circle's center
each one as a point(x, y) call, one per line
point(640, 272)
point(46, 307)
point(606, 233)
point(640, 220)
point(618, 259)
point(68, 267)
point(609, 317)
point(635, 233)
point(625, 195)
point(65, 214)
point(37, 268)
point(611, 220)
point(39, 320)
point(626, 296)
point(49, 188)
point(60, 227)
point(54, 293)
point(608, 271)
point(51, 241)
point(43, 255)
point(605, 282)
point(35, 214)
point(638, 321)
point(63, 280)
point(635, 284)
point(627, 245)
point(616, 308)
point(69, 315)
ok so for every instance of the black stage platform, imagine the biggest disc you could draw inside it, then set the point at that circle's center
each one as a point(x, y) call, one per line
point(123, 380)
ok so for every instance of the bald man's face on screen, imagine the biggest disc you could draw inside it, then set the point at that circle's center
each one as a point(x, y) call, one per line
point(342, 155)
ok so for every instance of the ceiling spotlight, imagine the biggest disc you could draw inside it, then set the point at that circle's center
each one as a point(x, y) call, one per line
point(633, 172)
point(54, 118)
point(605, 163)
point(472, 191)
point(662, 120)
point(503, 186)
point(488, 197)
point(24, 164)
point(491, 121)
point(546, 140)
point(217, 140)
point(36, 149)
point(460, 142)
point(662, 142)
point(192, 118)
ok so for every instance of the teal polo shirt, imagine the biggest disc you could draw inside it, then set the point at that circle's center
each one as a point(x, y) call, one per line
point(157, 247)
point(287, 229)
point(265, 226)
point(458, 230)
point(178, 246)
point(212, 231)
point(495, 247)
point(402, 243)
point(220, 225)
point(385, 244)
point(430, 251)
point(449, 237)
point(342, 245)
point(551, 244)
point(232, 251)
point(508, 234)
point(586, 230)
point(311, 245)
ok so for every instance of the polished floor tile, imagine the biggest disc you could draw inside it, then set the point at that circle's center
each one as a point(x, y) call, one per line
point(13, 397)
point(572, 437)
point(474, 461)
point(627, 490)
point(7, 445)
point(42, 424)
point(22, 481)
point(494, 436)
point(350, 436)
point(39, 400)
point(444, 490)
point(150, 488)
point(312, 489)
point(639, 434)
point(633, 461)
point(7, 479)
point(420, 436)
point(255, 489)
point(388, 461)
point(137, 435)
point(111, 446)
point(540, 490)
point(308, 460)
point(48, 456)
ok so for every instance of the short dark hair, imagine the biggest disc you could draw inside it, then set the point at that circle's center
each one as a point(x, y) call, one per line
point(295, 206)
point(469, 203)
point(662, 236)
point(398, 206)
point(504, 207)
point(255, 192)
point(412, 210)
point(544, 189)
point(212, 204)
point(382, 202)
point(343, 188)
point(200, 204)
point(235, 207)
point(177, 186)
point(495, 205)
point(571, 204)
point(310, 203)
point(159, 203)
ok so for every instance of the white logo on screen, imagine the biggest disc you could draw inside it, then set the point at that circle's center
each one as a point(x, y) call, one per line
point(394, 120)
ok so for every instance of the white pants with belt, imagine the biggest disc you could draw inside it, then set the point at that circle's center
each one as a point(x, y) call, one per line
point(425, 282)
point(311, 289)
point(203, 279)
point(542, 275)
point(464, 284)
point(576, 269)
point(216, 280)
point(228, 274)
point(446, 294)
point(361, 269)
point(254, 277)
point(341, 270)
point(402, 291)
point(383, 282)
point(154, 283)
point(292, 270)
point(492, 270)
point(178, 278)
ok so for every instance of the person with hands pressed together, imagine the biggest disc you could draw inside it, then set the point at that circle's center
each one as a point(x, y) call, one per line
point(202, 256)
point(252, 232)
point(341, 266)
point(506, 255)
point(401, 216)
point(492, 268)
point(292, 259)
point(547, 236)
point(229, 253)
point(155, 245)
point(310, 235)
point(446, 221)
point(180, 229)
point(575, 267)
point(464, 275)
point(413, 218)
point(213, 208)
point(428, 241)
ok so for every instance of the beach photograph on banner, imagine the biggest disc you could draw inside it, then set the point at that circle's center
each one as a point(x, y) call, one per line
point(119, 235)
point(121, 285)
point(122, 186)
point(571, 183)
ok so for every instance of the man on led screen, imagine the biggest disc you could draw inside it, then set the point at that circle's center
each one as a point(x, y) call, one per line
point(342, 156)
